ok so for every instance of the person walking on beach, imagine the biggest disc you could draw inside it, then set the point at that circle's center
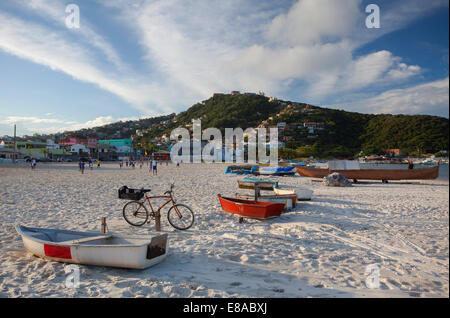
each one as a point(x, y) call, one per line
point(410, 165)
point(98, 163)
point(155, 167)
point(121, 164)
point(33, 164)
point(91, 165)
point(81, 165)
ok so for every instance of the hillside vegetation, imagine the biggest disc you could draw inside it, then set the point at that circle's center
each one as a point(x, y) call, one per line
point(339, 133)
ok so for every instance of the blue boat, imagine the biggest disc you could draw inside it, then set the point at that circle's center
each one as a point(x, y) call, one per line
point(263, 184)
point(276, 171)
point(240, 170)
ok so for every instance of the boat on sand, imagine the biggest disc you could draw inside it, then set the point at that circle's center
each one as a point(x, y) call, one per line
point(290, 200)
point(301, 193)
point(262, 184)
point(372, 174)
point(251, 208)
point(94, 248)
point(275, 171)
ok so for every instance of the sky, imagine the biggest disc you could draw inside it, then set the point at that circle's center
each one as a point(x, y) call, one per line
point(143, 58)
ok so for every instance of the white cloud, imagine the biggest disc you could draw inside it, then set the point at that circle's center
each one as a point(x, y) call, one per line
point(195, 48)
point(314, 21)
point(54, 10)
point(202, 50)
point(53, 49)
point(29, 125)
point(428, 98)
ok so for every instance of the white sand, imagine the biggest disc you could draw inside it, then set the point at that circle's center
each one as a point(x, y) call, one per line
point(321, 249)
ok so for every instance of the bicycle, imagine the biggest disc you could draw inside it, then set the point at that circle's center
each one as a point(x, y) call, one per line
point(180, 216)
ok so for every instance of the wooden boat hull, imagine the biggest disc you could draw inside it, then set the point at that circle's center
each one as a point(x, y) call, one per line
point(94, 249)
point(302, 194)
point(251, 209)
point(374, 174)
point(289, 199)
point(249, 183)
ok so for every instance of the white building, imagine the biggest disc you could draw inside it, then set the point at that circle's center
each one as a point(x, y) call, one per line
point(78, 148)
point(124, 149)
point(51, 144)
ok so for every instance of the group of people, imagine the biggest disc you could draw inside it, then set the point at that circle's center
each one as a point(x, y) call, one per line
point(82, 164)
point(153, 164)
point(131, 164)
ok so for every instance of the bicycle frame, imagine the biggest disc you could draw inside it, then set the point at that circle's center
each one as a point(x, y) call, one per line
point(171, 200)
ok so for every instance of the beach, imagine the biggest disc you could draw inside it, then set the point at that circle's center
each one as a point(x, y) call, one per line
point(322, 248)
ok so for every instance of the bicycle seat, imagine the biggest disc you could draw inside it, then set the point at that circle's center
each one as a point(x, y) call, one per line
point(168, 192)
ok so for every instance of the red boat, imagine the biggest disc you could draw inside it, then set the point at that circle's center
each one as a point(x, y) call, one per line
point(251, 209)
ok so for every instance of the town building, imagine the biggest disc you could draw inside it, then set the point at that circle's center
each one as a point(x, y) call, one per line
point(393, 152)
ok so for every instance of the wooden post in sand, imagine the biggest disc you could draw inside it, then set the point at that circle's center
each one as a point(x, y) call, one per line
point(103, 230)
point(158, 221)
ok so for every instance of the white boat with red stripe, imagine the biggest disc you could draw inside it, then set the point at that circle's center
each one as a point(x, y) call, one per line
point(137, 252)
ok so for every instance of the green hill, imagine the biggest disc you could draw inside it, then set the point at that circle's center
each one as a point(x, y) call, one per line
point(344, 134)
point(331, 132)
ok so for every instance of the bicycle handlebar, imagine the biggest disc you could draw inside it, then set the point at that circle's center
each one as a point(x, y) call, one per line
point(171, 188)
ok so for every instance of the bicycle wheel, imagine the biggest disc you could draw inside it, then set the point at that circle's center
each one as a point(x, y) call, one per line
point(180, 216)
point(135, 213)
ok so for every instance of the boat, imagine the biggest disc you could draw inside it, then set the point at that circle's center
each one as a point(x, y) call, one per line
point(262, 184)
point(90, 248)
point(301, 193)
point(275, 171)
point(290, 200)
point(241, 169)
point(251, 208)
point(373, 174)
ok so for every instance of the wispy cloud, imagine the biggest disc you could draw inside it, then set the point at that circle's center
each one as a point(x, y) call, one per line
point(428, 98)
point(54, 10)
point(30, 124)
point(191, 49)
point(313, 42)
point(52, 48)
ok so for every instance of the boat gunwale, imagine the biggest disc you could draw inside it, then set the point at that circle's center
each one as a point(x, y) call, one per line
point(64, 243)
point(259, 204)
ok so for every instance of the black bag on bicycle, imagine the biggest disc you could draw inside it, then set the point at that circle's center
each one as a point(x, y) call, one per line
point(130, 194)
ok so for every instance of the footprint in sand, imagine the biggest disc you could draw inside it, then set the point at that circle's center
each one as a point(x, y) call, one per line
point(278, 290)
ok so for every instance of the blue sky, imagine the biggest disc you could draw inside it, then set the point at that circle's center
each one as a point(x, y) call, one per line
point(134, 59)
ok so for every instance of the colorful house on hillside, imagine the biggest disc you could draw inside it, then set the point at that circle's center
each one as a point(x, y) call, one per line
point(123, 147)
point(312, 126)
point(70, 141)
point(393, 152)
